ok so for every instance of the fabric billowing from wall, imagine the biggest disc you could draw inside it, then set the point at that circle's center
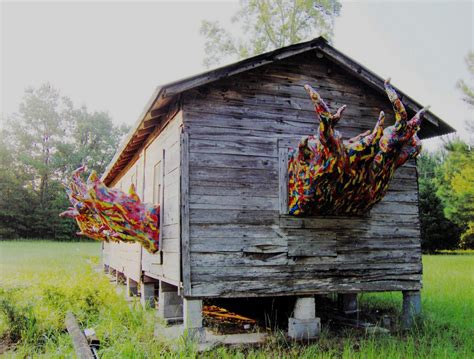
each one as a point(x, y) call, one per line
point(108, 214)
point(330, 176)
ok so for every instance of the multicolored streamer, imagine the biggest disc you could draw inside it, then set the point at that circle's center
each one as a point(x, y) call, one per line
point(328, 176)
point(108, 214)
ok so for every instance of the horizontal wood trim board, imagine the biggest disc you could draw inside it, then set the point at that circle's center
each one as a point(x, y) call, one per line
point(279, 244)
point(216, 259)
point(236, 230)
point(302, 287)
point(278, 273)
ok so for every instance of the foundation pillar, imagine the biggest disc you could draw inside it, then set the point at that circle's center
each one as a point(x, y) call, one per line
point(304, 325)
point(411, 307)
point(132, 288)
point(192, 318)
point(147, 295)
point(170, 304)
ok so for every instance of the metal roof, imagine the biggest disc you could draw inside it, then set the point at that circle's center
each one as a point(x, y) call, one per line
point(164, 97)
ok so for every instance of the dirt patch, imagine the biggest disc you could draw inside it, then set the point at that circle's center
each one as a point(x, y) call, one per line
point(5, 345)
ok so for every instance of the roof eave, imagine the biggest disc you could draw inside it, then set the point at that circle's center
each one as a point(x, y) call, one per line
point(138, 123)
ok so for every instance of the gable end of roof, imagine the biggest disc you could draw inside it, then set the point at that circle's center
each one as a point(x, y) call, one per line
point(163, 100)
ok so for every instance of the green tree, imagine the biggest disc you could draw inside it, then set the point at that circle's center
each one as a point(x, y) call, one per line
point(269, 25)
point(15, 199)
point(467, 89)
point(455, 180)
point(39, 147)
point(437, 232)
point(93, 141)
point(37, 131)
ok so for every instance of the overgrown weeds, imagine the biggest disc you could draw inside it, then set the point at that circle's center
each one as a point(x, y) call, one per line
point(41, 281)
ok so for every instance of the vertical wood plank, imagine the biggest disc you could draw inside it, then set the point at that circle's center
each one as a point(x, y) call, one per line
point(185, 247)
point(162, 186)
point(162, 201)
point(143, 199)
point(283, 178)
point(144, 176)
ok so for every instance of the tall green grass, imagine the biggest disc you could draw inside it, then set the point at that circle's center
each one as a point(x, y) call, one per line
point(40, 281)
point(43, 280)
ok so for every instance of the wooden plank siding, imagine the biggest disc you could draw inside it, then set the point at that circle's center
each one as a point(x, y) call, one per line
point(162, 149)
point(240, 241)
point(125, 257)
point(165, 149)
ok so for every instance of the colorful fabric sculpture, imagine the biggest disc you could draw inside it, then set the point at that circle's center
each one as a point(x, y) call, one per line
point(108, 214)
point(328, 176)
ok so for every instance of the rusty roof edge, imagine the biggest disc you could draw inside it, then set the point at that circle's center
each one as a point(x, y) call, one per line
point(151, 102)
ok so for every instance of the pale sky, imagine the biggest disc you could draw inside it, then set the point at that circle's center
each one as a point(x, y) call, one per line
point(111, 55)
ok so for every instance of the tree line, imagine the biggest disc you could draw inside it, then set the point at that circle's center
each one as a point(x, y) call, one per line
point(39, 147)
point(446, 195)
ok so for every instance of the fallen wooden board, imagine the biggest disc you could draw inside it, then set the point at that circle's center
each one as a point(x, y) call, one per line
point(81, 346)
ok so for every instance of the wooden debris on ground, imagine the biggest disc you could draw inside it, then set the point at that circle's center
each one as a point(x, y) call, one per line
point(81, 346)
point(224, 321)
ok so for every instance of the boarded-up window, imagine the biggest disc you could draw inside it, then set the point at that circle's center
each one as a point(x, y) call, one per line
point(307, 236)
point(157, 183)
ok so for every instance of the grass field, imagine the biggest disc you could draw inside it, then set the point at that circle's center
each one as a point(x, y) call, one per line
point(40, 281)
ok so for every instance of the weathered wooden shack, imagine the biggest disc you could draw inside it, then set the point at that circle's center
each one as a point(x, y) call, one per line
point(212, 150)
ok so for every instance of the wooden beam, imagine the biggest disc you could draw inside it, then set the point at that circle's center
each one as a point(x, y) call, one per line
point(121, 163)
point(152, 122)
point(124, 157)
point(184, 213)
point(144, 131)
point(160, 111)
point(139, 139)
point(81, 346)
point(132, 148)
